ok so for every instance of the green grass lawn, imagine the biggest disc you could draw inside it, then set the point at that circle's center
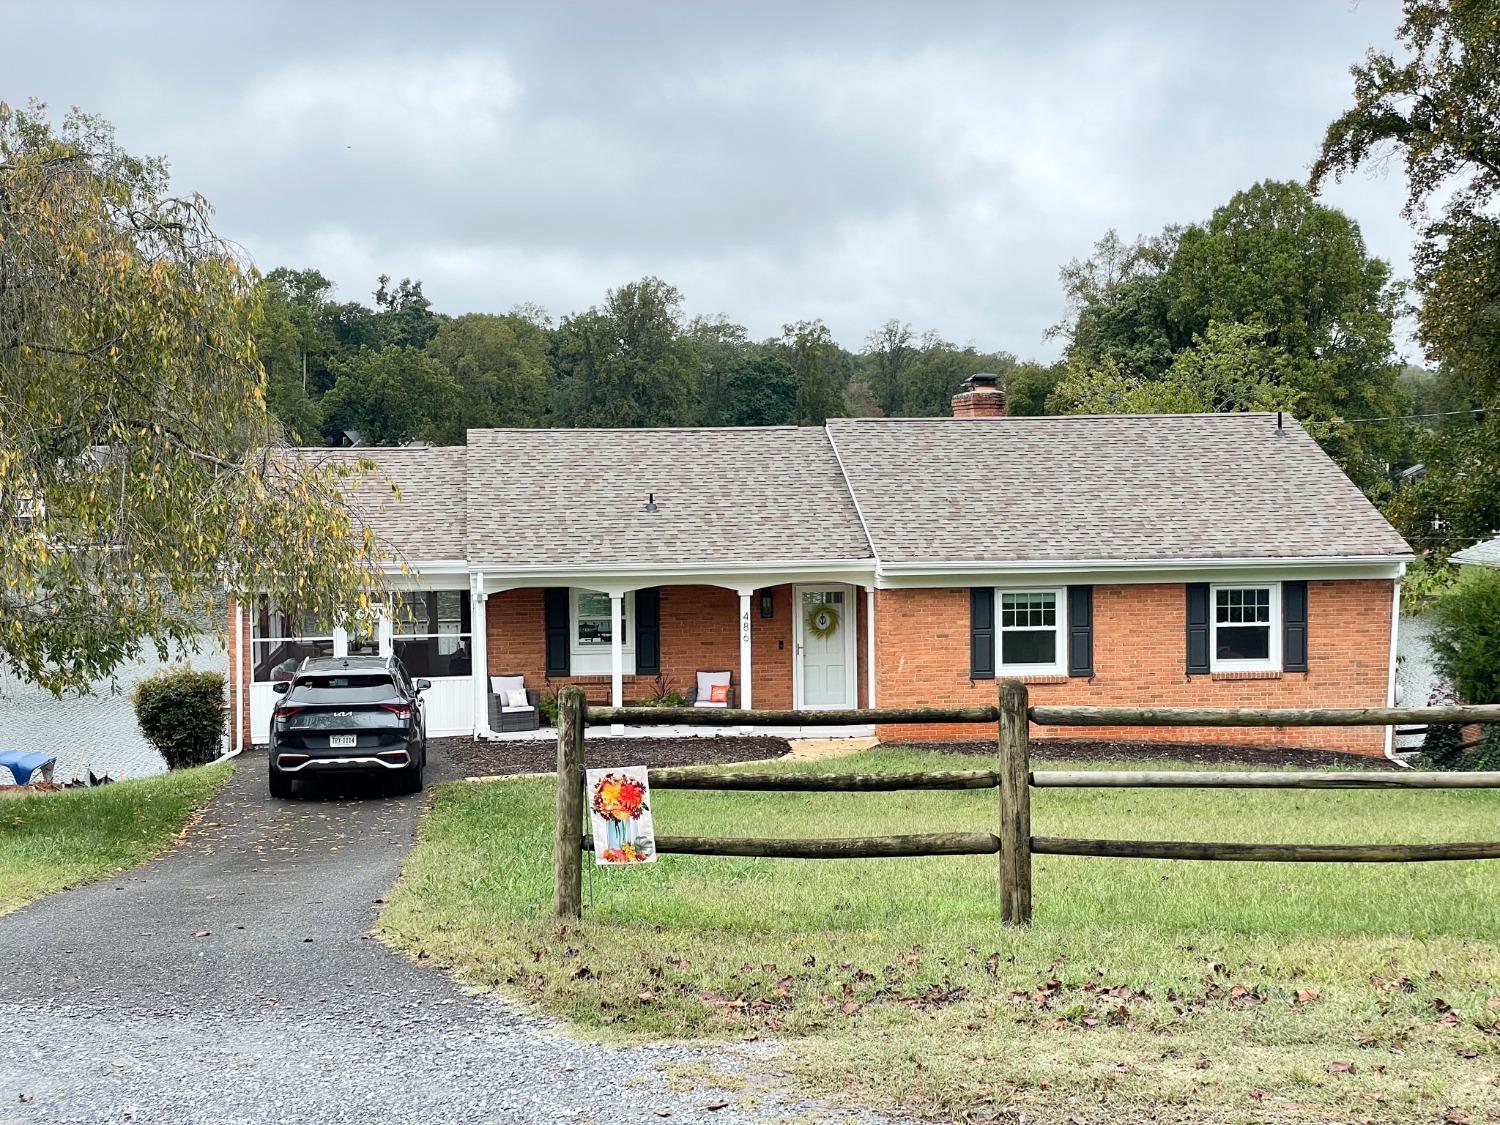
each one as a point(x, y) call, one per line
point(52, 841)
point(1151, 990)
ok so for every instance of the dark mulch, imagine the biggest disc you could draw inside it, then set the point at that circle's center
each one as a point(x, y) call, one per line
point(1102, 750)
point(484, 759)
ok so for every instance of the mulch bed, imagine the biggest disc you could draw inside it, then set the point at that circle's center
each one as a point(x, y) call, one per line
point(484, 759)
point(1102, 750)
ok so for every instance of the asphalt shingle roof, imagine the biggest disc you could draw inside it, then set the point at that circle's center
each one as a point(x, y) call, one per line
point(1116, 488)
point(426, 522)
point(723, 496)
point(1486, 553)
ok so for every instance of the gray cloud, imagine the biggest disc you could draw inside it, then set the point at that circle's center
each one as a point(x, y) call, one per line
point(776, 161)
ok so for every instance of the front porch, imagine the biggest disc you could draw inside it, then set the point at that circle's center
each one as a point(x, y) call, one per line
point(805, 643)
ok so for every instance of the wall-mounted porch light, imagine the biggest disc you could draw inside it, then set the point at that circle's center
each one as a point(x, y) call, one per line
point(767, 604)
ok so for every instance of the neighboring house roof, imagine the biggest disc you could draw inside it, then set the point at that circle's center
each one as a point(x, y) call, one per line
point(723, 497)
point(1486, 553)
point(1128, 488)
point(425, 523)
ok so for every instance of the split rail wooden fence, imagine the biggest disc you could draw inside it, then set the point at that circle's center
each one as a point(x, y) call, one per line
point(1012, 842)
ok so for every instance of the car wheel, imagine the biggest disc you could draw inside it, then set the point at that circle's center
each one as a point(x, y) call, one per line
point(411, 777)
point(281, 785)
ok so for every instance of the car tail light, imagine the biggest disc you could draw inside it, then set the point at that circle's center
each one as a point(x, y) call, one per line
point(400, 710)
point(285, 713)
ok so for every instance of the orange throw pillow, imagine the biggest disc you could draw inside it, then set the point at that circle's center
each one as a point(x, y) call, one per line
point(718, 693)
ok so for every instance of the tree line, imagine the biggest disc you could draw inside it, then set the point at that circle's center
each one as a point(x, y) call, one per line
point(396, 371)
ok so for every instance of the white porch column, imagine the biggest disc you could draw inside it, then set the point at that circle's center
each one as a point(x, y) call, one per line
point(479, 656)
point(869, 646)
point(616, 655)
point(745, 699)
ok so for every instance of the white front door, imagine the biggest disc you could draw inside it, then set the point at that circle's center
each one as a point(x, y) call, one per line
point(825, 647)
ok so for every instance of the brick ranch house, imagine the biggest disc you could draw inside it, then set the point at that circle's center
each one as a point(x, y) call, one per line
point(1204, 560)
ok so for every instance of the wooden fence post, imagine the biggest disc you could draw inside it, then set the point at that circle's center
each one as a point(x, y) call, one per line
point(567, 845)
point(1015, 805)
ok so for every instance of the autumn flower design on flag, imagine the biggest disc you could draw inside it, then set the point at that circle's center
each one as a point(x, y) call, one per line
point(620, 815)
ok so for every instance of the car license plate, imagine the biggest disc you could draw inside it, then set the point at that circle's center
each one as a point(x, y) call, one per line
point(336, 741)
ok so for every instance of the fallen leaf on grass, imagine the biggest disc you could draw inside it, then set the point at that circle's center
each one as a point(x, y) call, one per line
point(850, 1007)
point(201, 933)
point(1456, 1116)
point(1305, 996)
point(1340, 1066)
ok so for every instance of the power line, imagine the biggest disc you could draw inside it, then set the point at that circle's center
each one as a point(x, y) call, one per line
point(1393, 417)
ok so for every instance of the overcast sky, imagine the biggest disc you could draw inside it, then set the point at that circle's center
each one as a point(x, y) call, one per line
point(934, 162)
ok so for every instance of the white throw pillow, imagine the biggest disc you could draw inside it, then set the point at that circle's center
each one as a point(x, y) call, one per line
point(516, 700)
point(706, 683)
point(499, 685)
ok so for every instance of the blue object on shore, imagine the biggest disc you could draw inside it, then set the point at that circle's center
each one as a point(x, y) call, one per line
point(22, 765)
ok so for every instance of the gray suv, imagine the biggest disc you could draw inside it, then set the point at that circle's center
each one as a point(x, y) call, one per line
point(356, 714)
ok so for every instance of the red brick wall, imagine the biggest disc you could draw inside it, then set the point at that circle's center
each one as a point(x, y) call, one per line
point(1139, 653)
point(699, 633)
point(239, 656)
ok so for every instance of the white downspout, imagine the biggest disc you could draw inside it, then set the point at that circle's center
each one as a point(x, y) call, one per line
point(1390, 691)
point(870, 645)
point(237, 678)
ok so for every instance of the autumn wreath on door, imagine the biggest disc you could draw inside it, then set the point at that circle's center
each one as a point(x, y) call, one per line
point(822, 620)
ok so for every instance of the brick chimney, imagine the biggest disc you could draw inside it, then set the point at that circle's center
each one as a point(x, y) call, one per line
point(980, 397)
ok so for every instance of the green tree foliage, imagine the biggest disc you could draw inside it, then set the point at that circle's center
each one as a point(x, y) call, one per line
point(293, 343)
point(1435, 104)
point(629, 362)
point(500, 364)
point(722, 349)
point(405, 318)
point(1028, 386)
point(1315, 307)
point(937, 373)
point(139, 469)
point(1466, 635)
point(889, 351)
point(394, 396)
point(816, 363)
point(181, 713)
point(1230, 369)
point(763, 389)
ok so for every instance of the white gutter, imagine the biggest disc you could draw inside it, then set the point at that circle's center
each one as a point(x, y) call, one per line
point(1045, 565)
point(1390, 690)
point(651, 569)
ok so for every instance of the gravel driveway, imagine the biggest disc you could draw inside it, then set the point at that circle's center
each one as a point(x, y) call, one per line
point(233, 980)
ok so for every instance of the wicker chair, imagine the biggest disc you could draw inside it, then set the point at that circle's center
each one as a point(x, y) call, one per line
point(508, 720)
point(692, 696)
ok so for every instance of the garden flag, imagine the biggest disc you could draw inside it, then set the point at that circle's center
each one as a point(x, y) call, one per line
point(620, 814)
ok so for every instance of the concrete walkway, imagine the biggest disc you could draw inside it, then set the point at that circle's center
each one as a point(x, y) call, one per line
point(233, 980)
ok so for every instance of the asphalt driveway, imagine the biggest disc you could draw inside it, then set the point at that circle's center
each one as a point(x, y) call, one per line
point(233, 980)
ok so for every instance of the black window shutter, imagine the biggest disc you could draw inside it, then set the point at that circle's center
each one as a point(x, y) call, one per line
point(1294, 626)
point(1197, 628)
point(555, 614)
point(982, 633)
point(1080, 631)
point(648, 631)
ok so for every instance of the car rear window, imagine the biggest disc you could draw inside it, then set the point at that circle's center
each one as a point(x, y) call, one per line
point(346, 680)
point(364, 688)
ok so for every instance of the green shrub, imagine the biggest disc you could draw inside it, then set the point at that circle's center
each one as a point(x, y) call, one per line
point(1466, 639)
point(181, 713)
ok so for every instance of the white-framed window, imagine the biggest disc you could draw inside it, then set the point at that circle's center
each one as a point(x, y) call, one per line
point(1029, 632)
point(589, 635)
point(430, 633)
point(1244, 628)
point(281, 638)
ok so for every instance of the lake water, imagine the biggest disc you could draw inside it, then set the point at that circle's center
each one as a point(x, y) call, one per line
point(98, 731)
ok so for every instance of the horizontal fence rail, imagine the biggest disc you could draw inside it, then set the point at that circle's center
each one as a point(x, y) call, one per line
point(1014, 779)
point(856, 847)
point(693, 777)
point(790, 717)
point(1264, 853)
point(1055, 716)
point(1261, 716)
point(1254, 779)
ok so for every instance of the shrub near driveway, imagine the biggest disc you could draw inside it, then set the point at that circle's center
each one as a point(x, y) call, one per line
point(181, 713)
point(52, 841)
point(1244, 991)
